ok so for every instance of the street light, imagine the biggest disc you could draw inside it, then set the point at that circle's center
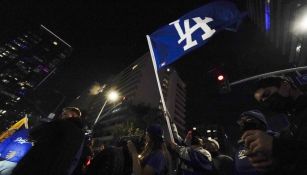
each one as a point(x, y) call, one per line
point(112, 96)
point(299, 34)
point(300, 22)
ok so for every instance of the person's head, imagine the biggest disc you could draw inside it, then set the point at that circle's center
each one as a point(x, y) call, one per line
point(251, 120)
point(154, 140)
point(154, 135)
point(193, 138)
point(71, 112)
point(211, 145)
point(276, 93)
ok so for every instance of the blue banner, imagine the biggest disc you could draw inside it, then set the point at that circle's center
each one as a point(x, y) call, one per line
point(192, 30)
point(16, 146)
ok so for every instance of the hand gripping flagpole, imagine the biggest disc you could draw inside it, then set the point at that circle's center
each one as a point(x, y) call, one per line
point(160, 89)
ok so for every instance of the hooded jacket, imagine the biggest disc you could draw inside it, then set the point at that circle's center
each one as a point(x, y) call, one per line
point(290, 151)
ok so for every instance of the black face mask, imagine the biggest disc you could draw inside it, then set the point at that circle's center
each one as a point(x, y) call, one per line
point(278, 103)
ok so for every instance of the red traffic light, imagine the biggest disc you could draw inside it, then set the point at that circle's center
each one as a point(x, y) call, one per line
point(220, 77)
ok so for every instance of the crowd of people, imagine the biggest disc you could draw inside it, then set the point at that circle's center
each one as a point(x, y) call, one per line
point(60, 147)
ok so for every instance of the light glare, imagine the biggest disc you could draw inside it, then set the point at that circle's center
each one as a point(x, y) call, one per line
point(220, 77)
point(113, 96)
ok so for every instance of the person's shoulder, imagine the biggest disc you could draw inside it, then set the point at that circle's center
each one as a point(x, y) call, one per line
point(156, 161)
point(157, 153)
point(203, 151)
point(225, 157)
point(156, 156)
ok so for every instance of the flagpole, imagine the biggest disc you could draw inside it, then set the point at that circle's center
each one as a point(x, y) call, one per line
point(160, 89)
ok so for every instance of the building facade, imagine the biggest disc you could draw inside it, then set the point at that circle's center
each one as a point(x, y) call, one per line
point(137, 86)
point(27, 59)
point(281, 20)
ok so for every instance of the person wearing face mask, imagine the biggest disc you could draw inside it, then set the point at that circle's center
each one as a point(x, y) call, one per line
point(250, 120)
point(286, 154)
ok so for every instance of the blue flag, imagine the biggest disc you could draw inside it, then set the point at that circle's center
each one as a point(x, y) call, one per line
point(192, 31)
point(16, 146)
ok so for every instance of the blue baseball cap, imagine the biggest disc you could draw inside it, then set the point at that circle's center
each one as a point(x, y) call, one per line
point(155, 130)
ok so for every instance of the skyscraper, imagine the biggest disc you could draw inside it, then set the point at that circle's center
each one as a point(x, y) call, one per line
point(27, 59)
point(279, 20)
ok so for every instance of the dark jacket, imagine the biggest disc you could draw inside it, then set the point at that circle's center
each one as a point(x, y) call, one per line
point(290, 150)
point(194, 161)
point(110, 161)
point(223, 164)
point(55, 146)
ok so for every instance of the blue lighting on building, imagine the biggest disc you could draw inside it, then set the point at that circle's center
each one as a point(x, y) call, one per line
point(267, 15)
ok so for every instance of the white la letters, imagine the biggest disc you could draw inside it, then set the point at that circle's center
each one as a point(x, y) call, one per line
point(200, 24)
point(20, 140)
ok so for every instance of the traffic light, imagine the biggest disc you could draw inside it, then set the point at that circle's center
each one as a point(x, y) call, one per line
point(222, 83)
point(220, 79)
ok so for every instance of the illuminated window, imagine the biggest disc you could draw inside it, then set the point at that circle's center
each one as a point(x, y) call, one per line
point(17, 43)
point(10, 46)
point(5, 81)
point(22, 40)
point(134, 67)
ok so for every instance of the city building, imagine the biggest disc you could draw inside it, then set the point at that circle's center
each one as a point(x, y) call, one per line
point(27, 59)
point(136, 85)
point(284, 22)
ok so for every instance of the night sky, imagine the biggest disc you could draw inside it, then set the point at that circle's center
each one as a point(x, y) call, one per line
point(108, 36)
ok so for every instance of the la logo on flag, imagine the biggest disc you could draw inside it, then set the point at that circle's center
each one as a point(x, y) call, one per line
point(192, 30)
point(186, 34)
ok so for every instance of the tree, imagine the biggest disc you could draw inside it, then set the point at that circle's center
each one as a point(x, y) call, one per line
point(139, 117)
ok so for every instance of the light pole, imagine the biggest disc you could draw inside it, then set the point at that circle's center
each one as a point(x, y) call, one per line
point(112, 96)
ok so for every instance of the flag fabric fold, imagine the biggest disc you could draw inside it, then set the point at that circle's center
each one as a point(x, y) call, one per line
point(13, 128)
point(14, 142)
point(16, 146)
point(193, 30)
